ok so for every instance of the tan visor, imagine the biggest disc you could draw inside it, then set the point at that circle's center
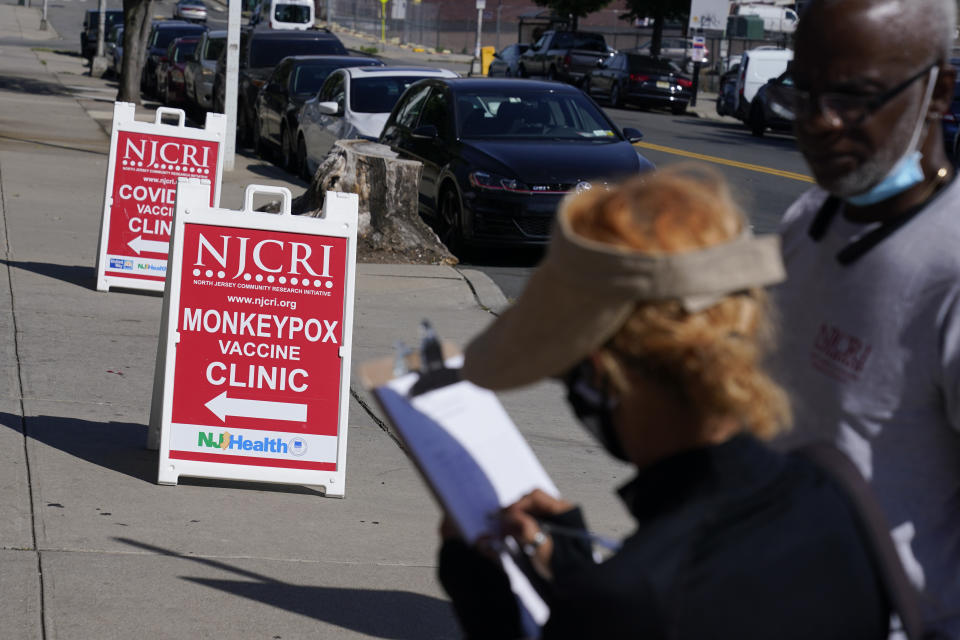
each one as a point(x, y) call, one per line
point(585, 290)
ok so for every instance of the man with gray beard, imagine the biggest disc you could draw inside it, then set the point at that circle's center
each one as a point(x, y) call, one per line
point(871, 307)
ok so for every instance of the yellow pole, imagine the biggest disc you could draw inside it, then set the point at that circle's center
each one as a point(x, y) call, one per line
point(383, 20)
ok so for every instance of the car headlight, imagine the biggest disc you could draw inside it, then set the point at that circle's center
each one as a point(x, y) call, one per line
point(490, 181)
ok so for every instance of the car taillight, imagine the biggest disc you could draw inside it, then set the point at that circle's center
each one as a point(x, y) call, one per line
point(683, 82)
point(949, 117)
point(566, 60)
point(634, 77)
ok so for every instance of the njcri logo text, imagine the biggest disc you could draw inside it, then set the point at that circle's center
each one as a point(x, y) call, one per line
point(269, 255)
point(226, 442)
point(155, 152)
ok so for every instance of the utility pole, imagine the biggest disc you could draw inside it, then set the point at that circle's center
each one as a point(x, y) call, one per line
point(43, 17)
point(499, 9)
point(230, 83)
point(481, 5)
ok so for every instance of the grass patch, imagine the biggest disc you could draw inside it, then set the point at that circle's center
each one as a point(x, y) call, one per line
point(369, 50)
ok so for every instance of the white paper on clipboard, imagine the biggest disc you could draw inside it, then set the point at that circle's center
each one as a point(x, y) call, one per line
point(474, 458)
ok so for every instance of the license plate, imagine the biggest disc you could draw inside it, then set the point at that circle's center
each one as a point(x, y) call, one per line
point(662, 85)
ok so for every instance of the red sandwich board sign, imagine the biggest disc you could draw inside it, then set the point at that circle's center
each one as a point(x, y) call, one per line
point(146, 160)
point(253, 364)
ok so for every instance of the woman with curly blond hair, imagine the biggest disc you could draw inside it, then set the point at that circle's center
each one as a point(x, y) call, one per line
point(649, 306)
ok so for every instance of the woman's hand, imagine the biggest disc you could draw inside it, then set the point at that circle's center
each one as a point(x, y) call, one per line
point(519, 520)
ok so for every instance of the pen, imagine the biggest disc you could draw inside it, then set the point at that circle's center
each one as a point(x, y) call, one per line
point(601, 541)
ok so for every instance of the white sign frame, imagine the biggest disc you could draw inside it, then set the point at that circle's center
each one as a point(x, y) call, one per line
point(339, 219)
point(124, 120)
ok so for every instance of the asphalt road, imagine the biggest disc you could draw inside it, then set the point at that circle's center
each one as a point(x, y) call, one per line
point(765, 174)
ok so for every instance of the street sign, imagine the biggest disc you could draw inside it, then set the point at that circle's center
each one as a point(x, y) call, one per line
point(253, 365)
point(481, 4)
point(699, 49)
point(146, 159)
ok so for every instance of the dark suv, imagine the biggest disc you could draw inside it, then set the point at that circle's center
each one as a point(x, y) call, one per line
point(91, 26)
point(161, 35)
point(260, 51)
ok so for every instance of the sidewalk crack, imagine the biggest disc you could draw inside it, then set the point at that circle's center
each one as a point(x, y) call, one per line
point(23, 421)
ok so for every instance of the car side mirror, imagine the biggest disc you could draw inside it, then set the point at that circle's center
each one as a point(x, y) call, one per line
point(426, 132)
point(329, 108)
point(632, 135)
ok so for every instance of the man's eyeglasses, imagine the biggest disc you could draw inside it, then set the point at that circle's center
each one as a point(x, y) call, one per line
point(851, 109)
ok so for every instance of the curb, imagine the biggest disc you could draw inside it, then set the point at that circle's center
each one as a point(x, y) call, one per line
point(485, 290)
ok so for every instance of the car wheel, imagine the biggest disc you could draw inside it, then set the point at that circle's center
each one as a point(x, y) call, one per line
point(450, 223)
point(757, 125)
point(287, 156)
point(302, 166)
point(616, 100)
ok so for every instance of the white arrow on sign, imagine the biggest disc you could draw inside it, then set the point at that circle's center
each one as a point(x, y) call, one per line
point(138, 244)
point(222, 406)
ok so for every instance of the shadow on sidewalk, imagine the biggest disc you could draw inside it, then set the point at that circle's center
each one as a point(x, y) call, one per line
point(118, 446)
point(55, 146)
point(30, 85)
point(381, 613)
point(71, 274)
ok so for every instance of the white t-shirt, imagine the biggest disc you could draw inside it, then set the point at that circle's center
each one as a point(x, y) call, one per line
point(870, 353)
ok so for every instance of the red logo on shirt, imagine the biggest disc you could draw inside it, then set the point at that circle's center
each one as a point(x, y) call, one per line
point(838, 354)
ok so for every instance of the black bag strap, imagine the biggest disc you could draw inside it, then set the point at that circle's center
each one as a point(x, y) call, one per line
point(900, 592)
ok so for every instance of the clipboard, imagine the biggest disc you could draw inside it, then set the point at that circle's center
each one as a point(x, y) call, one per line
point(470, 453)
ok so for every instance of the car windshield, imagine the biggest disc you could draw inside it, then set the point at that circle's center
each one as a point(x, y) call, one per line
point(308, 78)
point(646, 64)
point(378, 95)
point(298, 13)
point(214, 47)
point(163, 37)
point(514, 114)
point(267, 53)
point(183, 50)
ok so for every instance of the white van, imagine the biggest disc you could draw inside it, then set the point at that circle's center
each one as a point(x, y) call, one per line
point(775, 19)
point(756, 67)
point(284, 14)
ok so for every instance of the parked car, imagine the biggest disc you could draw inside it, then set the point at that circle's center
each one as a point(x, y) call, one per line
point(284, 14)
point(277, 108)
point(766, 114)
point(680, 50)
point(91, 27)
point(260, 51)
point(727, 92)
point(353, 103)
point(499, 155)
point(170, 82)
point(161, 35)
point(564, 55)
point(114, 40)
point(190, 11)
point(757, 66)
point(951, 119)
point(201, 67)
point(505, 62)
point(632, 78)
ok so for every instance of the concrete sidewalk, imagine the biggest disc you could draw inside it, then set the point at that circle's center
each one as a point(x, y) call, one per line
point(90, 546)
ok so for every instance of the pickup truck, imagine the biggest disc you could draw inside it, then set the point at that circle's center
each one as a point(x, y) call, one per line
point(564, 55)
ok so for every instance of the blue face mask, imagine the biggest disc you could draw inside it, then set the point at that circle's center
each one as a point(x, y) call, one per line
point(907, 172)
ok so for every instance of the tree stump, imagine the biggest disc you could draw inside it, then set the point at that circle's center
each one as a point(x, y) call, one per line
point(388, 188)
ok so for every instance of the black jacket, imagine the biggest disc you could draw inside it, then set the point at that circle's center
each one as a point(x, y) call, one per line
point(732, 541)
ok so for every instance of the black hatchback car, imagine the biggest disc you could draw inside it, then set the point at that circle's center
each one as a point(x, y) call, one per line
point(261, 49)
point(498, 155)
point(161, 35)
point(632, 78)
point(295, 80)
